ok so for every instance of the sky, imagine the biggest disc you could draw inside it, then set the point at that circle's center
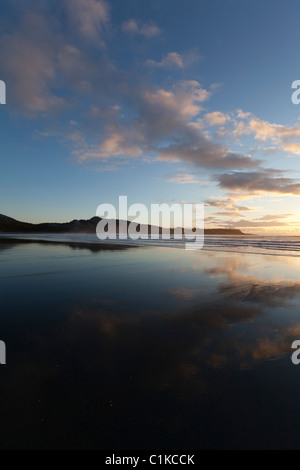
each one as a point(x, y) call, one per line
point(162, 101)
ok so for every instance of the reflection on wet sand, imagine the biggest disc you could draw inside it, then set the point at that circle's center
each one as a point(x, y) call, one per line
point(6, 243)
point(179, 370)
point(247, 287)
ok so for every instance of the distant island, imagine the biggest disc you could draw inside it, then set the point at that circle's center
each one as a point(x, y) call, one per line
point(10, 225)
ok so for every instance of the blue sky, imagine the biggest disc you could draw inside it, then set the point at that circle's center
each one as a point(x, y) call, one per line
point(162, 101)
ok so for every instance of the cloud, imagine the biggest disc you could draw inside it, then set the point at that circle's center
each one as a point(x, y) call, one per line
point(146, 29)
point(115, 145)
point(89, 17)
point(234, 211)
point(282, 137)
point(217, 118)
point(40, 60)
point(247, 123)
point(168, 116)
point(182, 101)
point(246, 223)
point(274, 137)
point(175, 60)
point(28, 56)
point(119, 114)
point(183, 178)
point(161, 125)
point(228, 206)
point(225, 203)
point(227, 213)
point(172, 59)
point(206, 154)
point(268, 180)
point(293, 148)
point(264, 130)
point(272, 217)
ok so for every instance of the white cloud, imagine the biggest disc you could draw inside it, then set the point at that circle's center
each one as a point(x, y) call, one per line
point(184, 100)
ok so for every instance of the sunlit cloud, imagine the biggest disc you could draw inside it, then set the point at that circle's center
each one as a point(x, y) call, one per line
point(183, 178)
point(217, 118)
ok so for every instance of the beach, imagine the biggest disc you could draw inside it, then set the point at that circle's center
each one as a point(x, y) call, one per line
point(147, 348)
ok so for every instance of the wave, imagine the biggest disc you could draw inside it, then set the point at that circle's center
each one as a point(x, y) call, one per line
point(276, 245)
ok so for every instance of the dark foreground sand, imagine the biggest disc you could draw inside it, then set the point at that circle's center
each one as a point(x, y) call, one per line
point(117, 348)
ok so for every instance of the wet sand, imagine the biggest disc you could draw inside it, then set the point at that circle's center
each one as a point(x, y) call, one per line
point(157, 348)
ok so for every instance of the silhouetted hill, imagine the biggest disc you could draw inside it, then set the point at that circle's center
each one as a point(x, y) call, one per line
point(223, 231)
point(8, 224)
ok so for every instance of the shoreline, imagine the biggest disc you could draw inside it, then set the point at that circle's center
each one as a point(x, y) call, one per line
point(76, 244)
point(216, 244)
